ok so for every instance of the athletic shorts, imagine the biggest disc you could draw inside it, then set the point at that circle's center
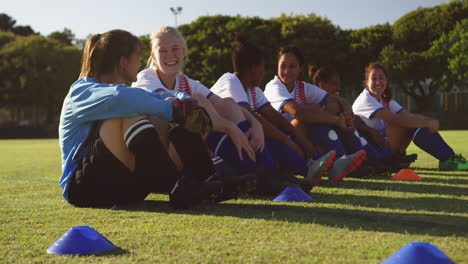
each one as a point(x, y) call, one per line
point(103, 180)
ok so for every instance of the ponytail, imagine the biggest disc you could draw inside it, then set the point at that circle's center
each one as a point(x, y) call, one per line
point(102, 52)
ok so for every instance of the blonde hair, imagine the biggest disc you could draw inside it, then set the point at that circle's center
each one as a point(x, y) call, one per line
point(157, 35)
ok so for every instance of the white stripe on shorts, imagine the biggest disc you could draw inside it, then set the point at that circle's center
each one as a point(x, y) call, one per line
point(137, 131)
point(134, 125)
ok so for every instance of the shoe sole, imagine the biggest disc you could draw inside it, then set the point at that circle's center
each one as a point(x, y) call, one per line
point(357, 161)
point(241, 190)
point(330, 162)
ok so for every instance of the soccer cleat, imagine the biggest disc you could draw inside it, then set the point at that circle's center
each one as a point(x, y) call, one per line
point(362, 172)
point(189, 192)
point(316, 168)
point(345, 165)
point(456, 163)
point(236, 186)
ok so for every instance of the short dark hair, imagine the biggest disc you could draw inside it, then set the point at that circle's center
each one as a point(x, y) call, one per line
point(322, 74)
point(293, 50)
point(245, 55)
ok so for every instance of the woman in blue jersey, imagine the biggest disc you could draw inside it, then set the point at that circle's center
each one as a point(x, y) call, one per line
point(111, 153)
point(378, 110)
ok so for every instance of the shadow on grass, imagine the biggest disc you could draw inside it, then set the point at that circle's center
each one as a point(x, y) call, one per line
point(399, 186)
point(431, 204)
point(439, 172)
point(114, 252)
point(432, 224)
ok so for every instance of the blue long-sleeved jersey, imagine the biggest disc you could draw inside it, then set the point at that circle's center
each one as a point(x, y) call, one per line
point(89, 100)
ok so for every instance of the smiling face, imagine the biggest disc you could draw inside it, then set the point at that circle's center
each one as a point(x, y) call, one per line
point(289, 69)
point(377, 82)
point(168, 54)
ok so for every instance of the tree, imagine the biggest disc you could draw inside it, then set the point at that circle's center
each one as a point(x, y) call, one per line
point(7, 23)
point(66, 36)
point(412, 64)
point(365, 46)
point(37, 72)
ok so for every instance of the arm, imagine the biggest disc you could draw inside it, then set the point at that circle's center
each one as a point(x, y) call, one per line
point(272, 132)
point(226, 126)
point(100, 102)
point(298, 140)
point(344, 107)
point(408, 120)
point(313, 113)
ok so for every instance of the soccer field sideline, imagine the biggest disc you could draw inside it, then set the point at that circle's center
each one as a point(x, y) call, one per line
point(358, 221)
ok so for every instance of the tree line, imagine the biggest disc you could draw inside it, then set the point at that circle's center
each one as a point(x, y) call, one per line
point(425, 50)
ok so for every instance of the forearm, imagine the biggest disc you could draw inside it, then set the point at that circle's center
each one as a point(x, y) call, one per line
point(343, 104)
point(408, 120)
point(313, 114)
point(253, 121)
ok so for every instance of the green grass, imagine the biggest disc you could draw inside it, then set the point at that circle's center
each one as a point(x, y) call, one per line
point(358, 221)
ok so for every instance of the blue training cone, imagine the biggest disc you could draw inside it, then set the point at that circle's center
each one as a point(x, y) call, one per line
point(418, 253)
point(292, 194)
point(80, 240)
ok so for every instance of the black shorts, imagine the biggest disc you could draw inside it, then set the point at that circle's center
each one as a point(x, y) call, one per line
point(103, 180)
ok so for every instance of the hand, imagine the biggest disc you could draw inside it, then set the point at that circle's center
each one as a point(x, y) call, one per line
point(193, 118)
point(241, 142)
point(342, 124)
point(349, 117)
point(256, 138)
point(433, 126)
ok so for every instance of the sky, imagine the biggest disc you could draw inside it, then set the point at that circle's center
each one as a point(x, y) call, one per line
point(141, 17)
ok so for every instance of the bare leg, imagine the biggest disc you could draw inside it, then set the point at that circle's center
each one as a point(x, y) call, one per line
point(398, 138)
point(112, 134)
point(302, 128)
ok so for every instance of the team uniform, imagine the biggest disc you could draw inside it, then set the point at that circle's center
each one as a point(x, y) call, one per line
point(221, 145)
point(366, 106)
point(92, 175)
point(229, 85)
point(323, 135)
point(148, 79)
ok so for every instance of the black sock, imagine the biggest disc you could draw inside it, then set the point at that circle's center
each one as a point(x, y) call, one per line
point(193, 152)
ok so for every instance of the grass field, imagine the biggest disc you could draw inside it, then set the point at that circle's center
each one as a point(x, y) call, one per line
point(358, 221)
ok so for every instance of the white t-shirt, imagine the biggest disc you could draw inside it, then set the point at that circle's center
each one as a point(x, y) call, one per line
point(365, 106)
point(148, 79)
point(230, 86)
point(277, 93)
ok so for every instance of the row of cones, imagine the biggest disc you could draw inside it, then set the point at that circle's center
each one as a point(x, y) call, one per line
point(296, 194)
point(86, 240)
point(81, 240)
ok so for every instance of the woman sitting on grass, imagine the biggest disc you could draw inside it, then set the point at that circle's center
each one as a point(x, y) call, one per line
point(289, 150)
point(376, 145)
point(377, 109)
point(301, 104)
point(111, 153)
point(230, 122)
